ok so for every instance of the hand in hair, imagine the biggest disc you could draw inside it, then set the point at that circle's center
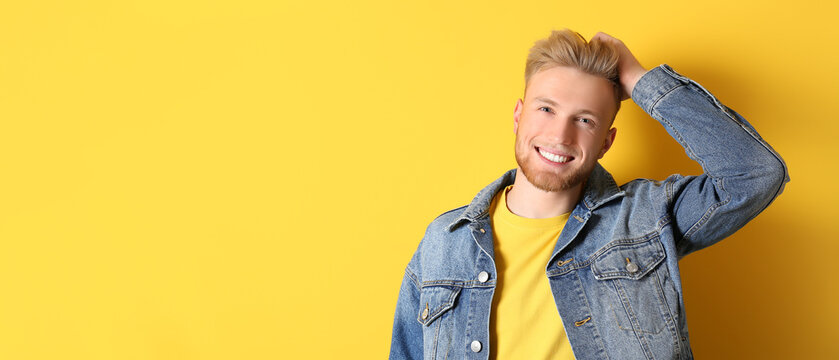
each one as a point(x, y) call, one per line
point(629, 69)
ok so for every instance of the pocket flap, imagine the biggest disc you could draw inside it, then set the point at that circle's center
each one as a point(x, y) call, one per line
point(628, 259)
point(434, 301)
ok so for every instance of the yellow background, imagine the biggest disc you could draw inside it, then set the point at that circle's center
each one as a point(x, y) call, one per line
point(247, 179)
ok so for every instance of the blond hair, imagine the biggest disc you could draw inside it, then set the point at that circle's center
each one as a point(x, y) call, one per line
point(569, 48)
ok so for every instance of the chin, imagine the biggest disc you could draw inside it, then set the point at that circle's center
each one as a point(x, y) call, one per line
point(550, 180)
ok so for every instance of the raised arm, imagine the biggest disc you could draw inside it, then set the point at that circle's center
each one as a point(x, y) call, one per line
point(742, 173)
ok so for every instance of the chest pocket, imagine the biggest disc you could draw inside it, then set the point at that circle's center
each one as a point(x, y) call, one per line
point(628, 274)
point(628, 259)
point(435, 301)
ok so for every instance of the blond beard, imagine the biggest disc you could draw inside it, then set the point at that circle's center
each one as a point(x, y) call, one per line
point(552, 182)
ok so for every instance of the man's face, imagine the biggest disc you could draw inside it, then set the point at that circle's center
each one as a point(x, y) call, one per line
point(563, 127)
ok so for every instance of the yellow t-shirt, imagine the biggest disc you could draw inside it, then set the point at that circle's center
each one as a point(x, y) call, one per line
point(526, 324)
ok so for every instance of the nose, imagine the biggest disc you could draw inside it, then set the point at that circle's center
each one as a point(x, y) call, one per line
point(563, 131)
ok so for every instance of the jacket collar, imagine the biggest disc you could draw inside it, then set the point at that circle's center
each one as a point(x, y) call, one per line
point(600, 189)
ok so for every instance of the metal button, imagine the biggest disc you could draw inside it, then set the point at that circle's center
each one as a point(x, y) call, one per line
point(631, 267)
point(425, 314)
point(475, 346)
point(482, 230)
point(483, 276)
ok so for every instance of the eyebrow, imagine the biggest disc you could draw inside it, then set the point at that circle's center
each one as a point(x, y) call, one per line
point(546, 100)
point(554, 103)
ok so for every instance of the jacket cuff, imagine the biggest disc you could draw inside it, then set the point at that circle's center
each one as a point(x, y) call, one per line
point(654, 84)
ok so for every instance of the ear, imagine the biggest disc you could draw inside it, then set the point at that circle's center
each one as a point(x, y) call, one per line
point(607, 144)
point(517, 115)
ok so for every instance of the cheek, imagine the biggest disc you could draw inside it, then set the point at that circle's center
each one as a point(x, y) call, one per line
point(594, 146)
point(530, 128)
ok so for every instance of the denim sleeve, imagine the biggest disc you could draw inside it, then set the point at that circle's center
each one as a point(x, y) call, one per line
point(742, 173)
point(406, 341)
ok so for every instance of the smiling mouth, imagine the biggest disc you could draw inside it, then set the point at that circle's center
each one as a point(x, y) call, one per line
point(554, 158)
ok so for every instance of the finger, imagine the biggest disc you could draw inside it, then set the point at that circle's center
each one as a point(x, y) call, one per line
point(603, 36)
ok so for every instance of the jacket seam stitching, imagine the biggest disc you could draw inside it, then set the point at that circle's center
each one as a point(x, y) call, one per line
point(596, 331)
point(633, 319)
point(671, 324)
point(708, 213)
point(439, 310)
point(657, 100)
point(436, 338)
point(661, 224)
point(461, 284)
point(413, 278)
point(616, 243)
point(682, 141)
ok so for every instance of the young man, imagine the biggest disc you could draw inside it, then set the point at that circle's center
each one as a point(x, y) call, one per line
point(555, 261)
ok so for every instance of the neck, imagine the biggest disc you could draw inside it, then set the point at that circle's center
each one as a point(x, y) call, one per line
point(528, 201)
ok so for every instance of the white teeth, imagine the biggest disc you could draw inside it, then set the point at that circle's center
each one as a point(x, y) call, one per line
point(553, 157)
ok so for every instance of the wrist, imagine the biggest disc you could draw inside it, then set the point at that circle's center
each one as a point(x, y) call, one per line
point(632, 79)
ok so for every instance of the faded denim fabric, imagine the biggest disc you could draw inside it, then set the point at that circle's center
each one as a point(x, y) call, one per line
point(614, 271)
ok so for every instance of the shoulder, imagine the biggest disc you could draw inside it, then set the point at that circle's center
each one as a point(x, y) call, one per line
point(441, 242)
point(642, 186)
point(666, 190)
point(645, 204)
point(641, 205)
point(442, 229)
point(444, 220)
point(655, 188)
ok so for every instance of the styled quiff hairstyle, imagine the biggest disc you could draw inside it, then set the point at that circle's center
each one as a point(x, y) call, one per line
point(569, 48)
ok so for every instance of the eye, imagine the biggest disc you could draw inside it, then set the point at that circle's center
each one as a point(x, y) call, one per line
point(546, 109)
point(585, 120)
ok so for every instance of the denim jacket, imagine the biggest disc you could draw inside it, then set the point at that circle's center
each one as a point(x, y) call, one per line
point(614, 271)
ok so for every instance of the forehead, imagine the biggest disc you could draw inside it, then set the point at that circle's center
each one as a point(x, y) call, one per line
point(572, 90)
